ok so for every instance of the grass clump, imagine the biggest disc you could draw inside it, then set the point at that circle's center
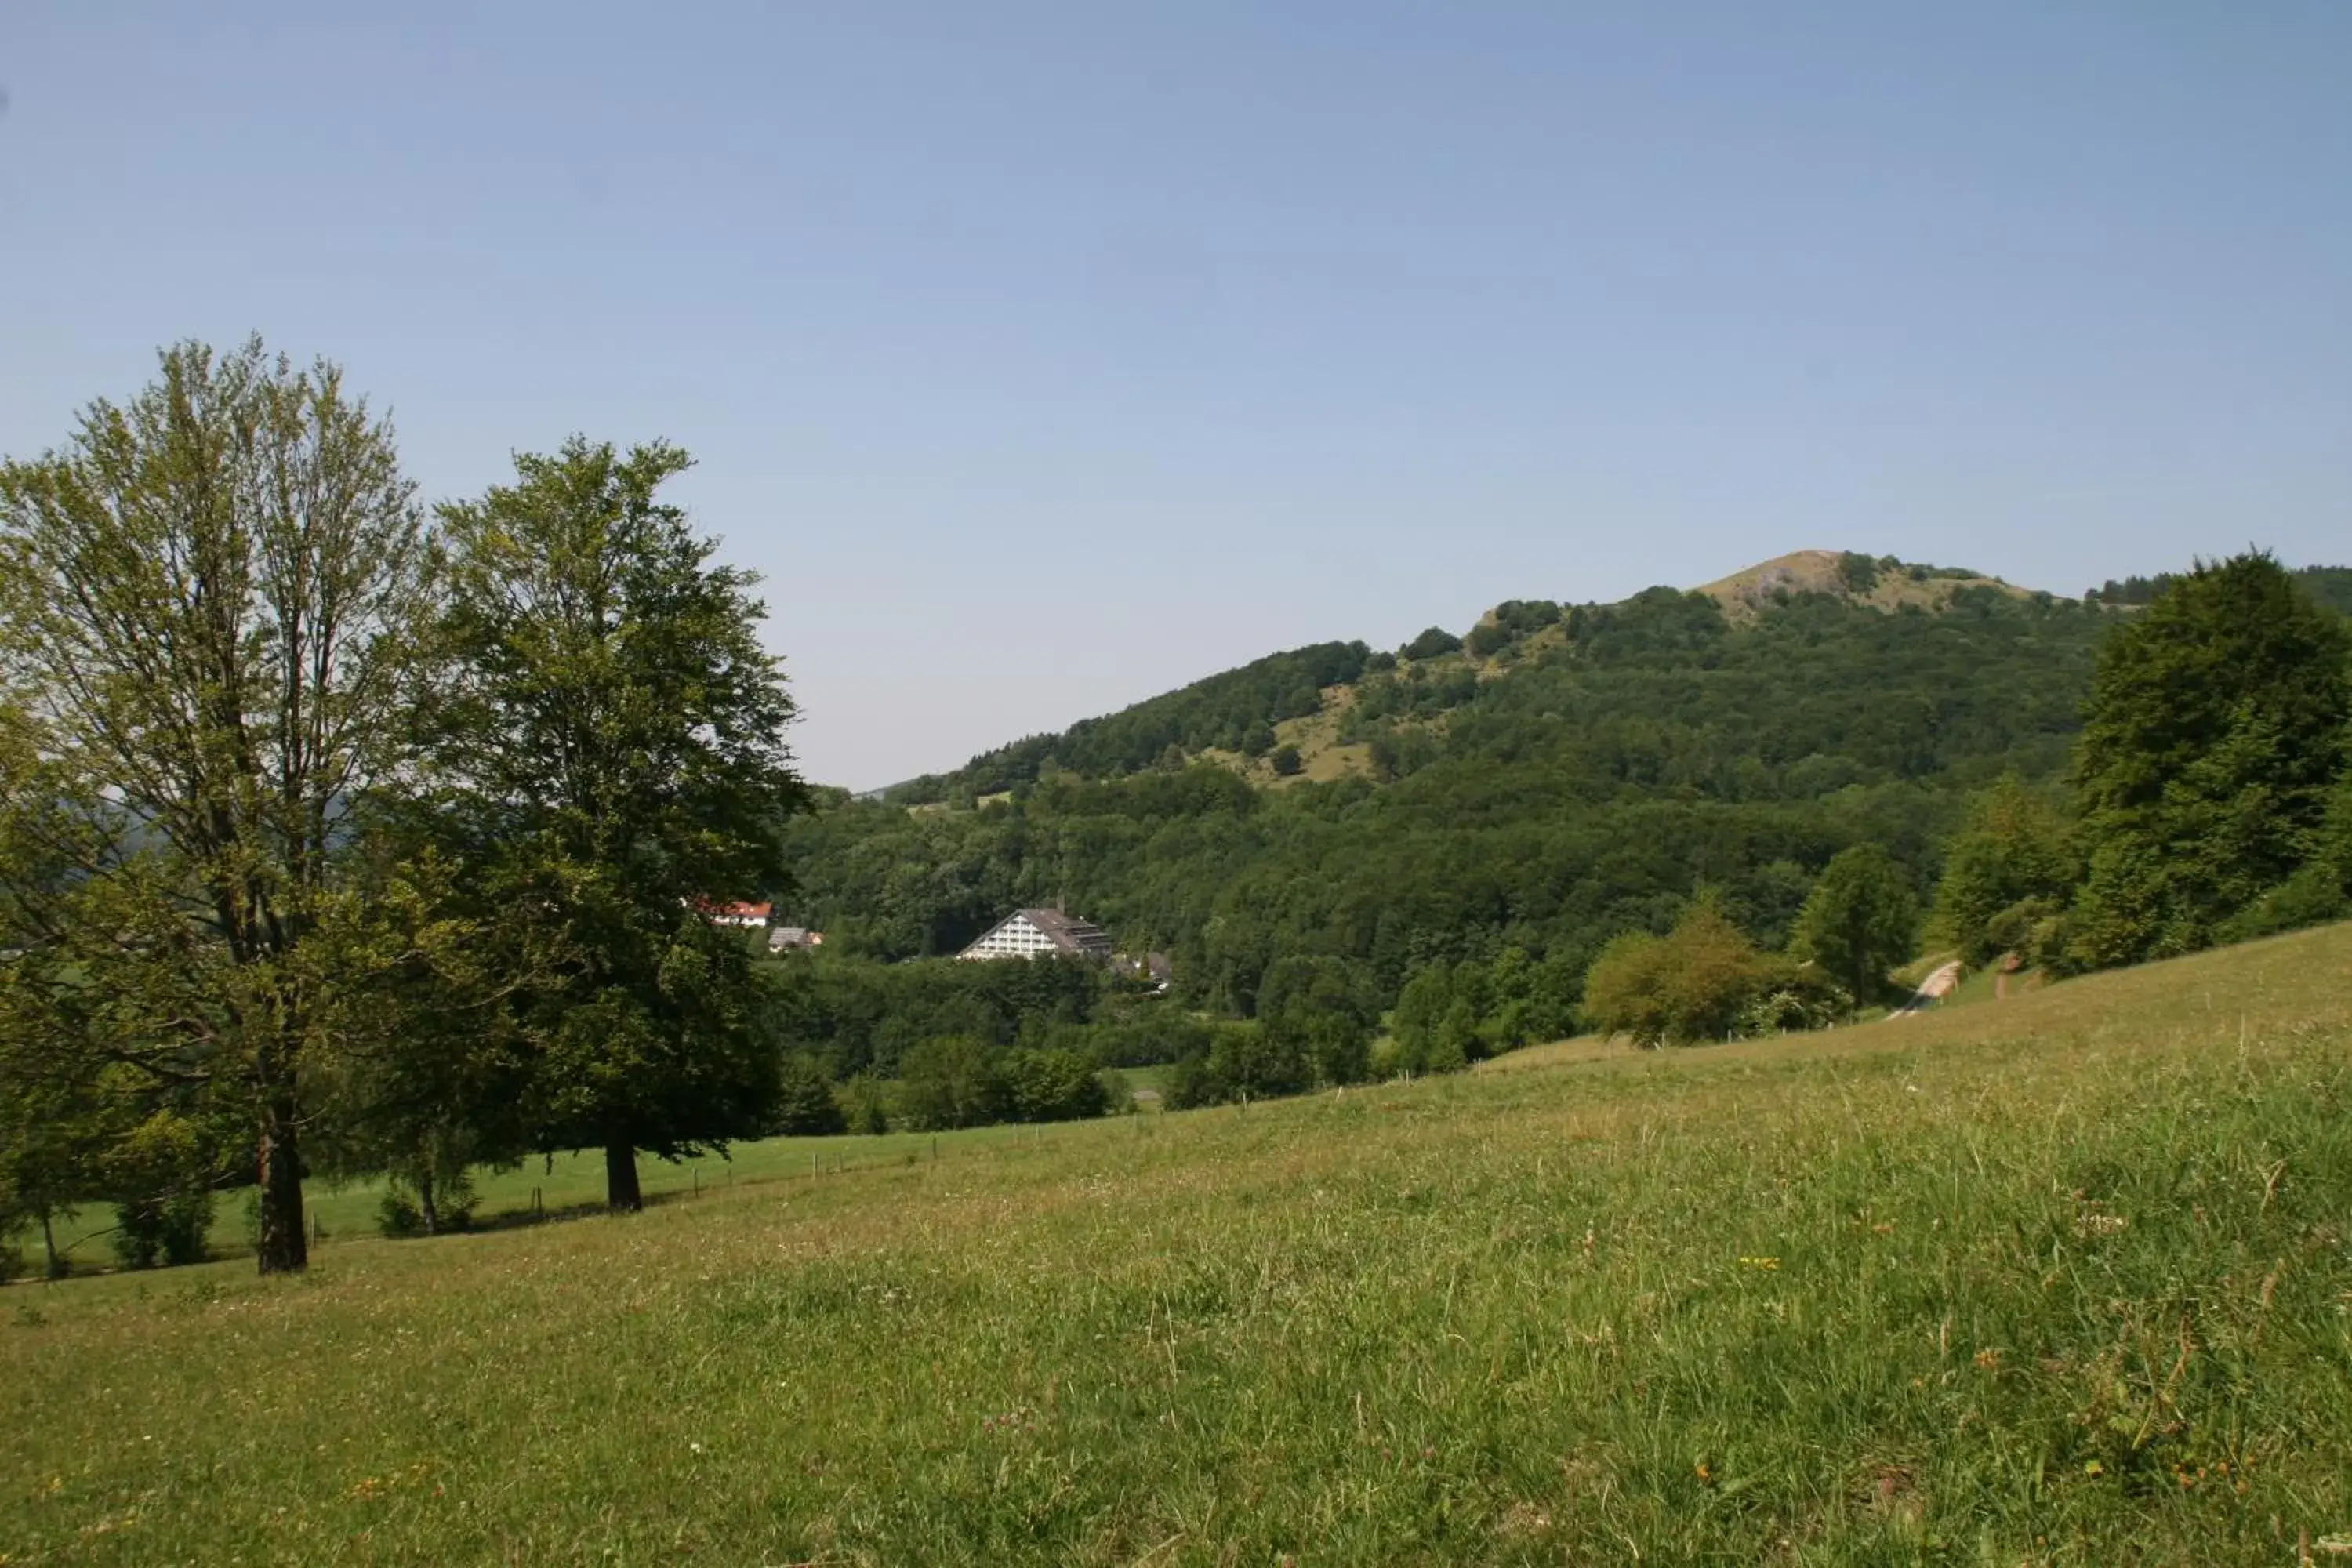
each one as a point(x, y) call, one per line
point(2059, 1279)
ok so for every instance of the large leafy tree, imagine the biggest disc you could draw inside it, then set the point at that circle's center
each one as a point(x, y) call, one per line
point(1328, 1006)
point(1690, 986)
point(202, 597)
point(2005, 868)
point(2213, 735)
point(1861, 920)
point(610, 737)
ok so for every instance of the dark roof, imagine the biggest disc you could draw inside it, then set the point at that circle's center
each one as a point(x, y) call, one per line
point(1069, 933)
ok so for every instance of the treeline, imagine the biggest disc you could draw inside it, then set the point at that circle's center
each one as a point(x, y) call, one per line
point(339, 837)
point(1236, 711)
point(2328, 585)
point(2210, 798)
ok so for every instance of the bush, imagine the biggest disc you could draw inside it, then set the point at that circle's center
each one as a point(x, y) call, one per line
point(1246, 1062)
point(164, 1207)
point(1793, 997)
point(951, 1082)
point(434, 1207)
point(1189, 1085)
point(1699, 983)
point(1487, 638)
point(805, 1106)
point(1149, 1035)
point(865, 1106)
point(1285, 761)
point(170, 1229)
point(1625, 989)
point(2313, 896)
point(1052, 1086)
point(1431, 643)
point(397, 1217)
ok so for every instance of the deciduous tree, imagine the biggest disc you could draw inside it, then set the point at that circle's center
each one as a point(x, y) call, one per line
point(203, 598)
point(2212, 737)
point(1861, 920)
point(610, 735)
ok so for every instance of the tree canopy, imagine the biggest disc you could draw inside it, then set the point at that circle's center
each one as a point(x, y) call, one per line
point(206, 598)
point(2212, 735)
point(609, 735)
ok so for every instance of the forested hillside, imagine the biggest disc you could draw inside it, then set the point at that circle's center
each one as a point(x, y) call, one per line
point(1566, 775)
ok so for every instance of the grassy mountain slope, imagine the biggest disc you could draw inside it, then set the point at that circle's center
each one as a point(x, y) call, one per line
point(1883, 583)
point(2056, 1281)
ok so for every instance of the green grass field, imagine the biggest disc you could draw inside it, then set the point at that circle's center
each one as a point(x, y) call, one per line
point(2060, 1280)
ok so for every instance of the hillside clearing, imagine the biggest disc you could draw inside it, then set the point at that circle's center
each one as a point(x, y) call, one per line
point(2062, 1280)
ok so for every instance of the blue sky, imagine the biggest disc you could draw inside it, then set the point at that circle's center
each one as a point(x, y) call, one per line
point(1046, 356)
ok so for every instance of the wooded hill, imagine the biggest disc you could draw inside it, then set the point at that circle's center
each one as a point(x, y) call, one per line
point(1328, 700)
point(1556, 775)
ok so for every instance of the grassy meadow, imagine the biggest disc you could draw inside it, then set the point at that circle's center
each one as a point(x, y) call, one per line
point(2063, 1278)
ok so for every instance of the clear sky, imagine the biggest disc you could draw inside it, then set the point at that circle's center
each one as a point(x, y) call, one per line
point(1047, 356)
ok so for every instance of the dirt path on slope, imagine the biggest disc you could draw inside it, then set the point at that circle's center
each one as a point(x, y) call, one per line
point(1932, 990)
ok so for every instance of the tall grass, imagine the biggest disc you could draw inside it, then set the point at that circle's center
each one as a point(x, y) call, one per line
point(2063, 1278)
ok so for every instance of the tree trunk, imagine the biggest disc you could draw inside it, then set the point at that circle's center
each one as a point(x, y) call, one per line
point(621, 1193)
point(285, 1247)
point(426, 1205)
point(50, 1248)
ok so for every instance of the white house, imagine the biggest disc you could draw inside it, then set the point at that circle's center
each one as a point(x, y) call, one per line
point(1034, 933)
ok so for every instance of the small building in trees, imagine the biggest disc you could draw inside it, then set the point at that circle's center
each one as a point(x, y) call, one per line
point(1040, 933)
point(742, 917)
point(783, 939)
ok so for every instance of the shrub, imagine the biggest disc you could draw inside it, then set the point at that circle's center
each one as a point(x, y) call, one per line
point(1431, 643)
point(951, 1082)
point(1698, 983)
point(432, 1207)
point(1052, 1086)
point(1250, 1062)
point(1285, 761)
point(805, 1106)
point(1245, 1062)
point(1151, 1035)
point(1487, 638)
point(1188, 1086)
point(168, 1229)
point(865, 1106)
point(1793, 997)
point(1625, 989)
point(1858, 571)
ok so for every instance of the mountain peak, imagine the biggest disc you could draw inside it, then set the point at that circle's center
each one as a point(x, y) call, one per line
point(1881, 581)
